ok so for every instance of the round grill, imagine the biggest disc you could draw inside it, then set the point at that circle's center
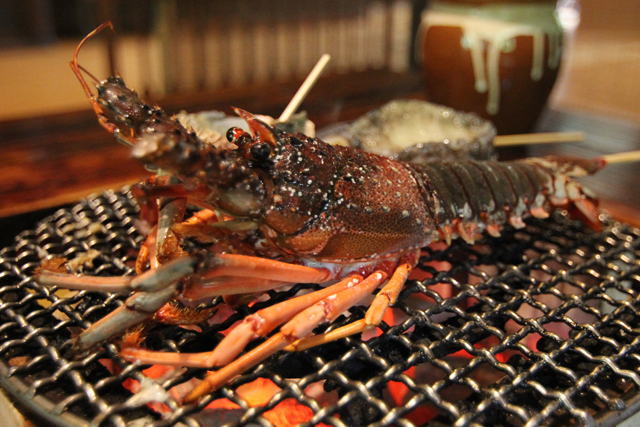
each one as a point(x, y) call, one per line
point(538, 327)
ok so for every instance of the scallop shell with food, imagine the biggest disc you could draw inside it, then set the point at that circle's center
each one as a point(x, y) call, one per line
point(417, 131)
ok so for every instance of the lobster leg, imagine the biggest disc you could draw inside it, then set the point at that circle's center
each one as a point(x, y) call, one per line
point(158, 289)
point(136, 309)
point(257, 325)
point(387, 296)
point(147, 195)
point(236, 286)
point(151, 281)
point(585, 204)
point(262, 268)
point(300, 326)
point(232, 274)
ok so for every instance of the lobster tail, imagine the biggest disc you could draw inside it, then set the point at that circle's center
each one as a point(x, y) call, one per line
point(565, 192)
point(468, 197)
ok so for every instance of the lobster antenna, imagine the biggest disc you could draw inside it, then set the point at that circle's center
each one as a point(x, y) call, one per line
point(627, 156)
point(537, 138)
point(308, 83)
point(84, 70)
point(74, 63)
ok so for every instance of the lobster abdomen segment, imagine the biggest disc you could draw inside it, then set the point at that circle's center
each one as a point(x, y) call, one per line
point(468, 197)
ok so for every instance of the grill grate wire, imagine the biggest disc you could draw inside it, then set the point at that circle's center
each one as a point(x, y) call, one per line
point(537, 327)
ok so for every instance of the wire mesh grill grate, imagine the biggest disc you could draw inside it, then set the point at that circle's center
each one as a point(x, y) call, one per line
point(538, 327)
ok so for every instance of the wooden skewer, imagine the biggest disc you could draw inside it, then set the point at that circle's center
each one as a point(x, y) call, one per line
point(537, 138)
point(628, 156)
point(308, 83)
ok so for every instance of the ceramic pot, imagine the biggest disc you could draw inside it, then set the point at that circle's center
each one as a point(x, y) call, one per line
point(498, 59)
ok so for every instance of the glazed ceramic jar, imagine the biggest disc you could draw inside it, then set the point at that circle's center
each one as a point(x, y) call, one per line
point(498, 59)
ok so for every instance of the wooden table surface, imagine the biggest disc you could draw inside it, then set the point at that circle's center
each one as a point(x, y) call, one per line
point(54, 161)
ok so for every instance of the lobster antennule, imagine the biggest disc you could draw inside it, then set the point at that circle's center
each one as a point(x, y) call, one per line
point(78, 68)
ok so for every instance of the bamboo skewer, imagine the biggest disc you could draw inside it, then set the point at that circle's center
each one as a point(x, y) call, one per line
point(537, 138)
point(628, 156)
point(308, 83)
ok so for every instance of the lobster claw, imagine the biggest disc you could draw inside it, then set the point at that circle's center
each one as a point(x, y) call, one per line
point(261, 131)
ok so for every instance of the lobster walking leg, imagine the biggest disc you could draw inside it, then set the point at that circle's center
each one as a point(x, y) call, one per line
point(387, 296)
point(151, 281)
point(318, 307)
point(300, 326)
point(257, 325)
point(157, 287)
point(147, 196)
point(140, 306)
point(263, 268)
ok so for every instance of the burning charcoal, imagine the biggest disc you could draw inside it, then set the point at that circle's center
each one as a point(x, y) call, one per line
point(391, 349)
point(455, 322)
point(444, 349)
point(519, 362)
point(178, 334)
point(59, 340)
point(294, 365)
point(549, 378)
point(440, 422)
point(498, 320)
point(496, 417)
point(332, 350)
point(525, 396)
point(191, 342)
point(631, 319)
point(10, 297)
point(476, 334)
point(546, 345)
point(425, 333)
point(158, 339)
point(218, 416)
point(186, 339)
point(355, 369)
point(426, 342)
point(154, 340)
point(359, 411)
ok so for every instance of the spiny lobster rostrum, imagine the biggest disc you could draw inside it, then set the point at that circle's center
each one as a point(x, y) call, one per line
point(282, 209)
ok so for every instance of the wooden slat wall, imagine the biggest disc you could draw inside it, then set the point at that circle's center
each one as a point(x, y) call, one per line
point(200, 44)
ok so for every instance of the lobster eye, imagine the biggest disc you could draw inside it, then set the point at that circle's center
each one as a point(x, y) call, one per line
point(237, 135)
point(260, 151)
point(230, 134)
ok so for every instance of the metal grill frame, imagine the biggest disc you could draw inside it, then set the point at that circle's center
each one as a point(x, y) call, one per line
point(591, 377)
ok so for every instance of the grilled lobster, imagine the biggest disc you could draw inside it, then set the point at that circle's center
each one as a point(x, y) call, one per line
point(287, 209)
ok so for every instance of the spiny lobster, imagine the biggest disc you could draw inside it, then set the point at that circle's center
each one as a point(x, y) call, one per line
point(286, 209)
